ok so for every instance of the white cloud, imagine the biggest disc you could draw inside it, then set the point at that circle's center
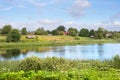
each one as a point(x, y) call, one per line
point(52, 24)
point(49, 22)
point(117, 23)
point(78, 7)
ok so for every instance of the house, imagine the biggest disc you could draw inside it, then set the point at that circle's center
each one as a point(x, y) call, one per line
point(92, 36)
point(66, 33)
point(108, 34)
point(30, 36)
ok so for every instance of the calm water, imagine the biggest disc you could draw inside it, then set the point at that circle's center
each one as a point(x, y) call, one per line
point(91, 51)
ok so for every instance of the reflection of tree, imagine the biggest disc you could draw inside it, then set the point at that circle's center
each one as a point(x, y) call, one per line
point(11, 53)
point(42, 49)
point(100, 50)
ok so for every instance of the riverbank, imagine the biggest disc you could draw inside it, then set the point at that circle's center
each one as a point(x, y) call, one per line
point(53, 41)
point(60, 69)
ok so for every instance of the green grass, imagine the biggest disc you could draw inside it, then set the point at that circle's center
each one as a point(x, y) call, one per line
point(52, 41)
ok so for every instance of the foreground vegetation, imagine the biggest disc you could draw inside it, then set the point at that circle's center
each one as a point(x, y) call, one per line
point(73, 74)
point(60, 69)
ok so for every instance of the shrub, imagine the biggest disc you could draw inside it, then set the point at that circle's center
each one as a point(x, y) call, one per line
point(33, 63)
point(13, 36)
point(77, 38)
point(116, 62)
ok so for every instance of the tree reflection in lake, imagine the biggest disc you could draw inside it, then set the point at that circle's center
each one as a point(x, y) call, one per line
point(11, 53)
point(20, 53)
point(101, 51)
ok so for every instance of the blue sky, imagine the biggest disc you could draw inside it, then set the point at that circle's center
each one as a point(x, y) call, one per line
point(49, 14)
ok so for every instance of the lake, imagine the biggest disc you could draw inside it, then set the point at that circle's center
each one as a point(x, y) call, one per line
point(89, 51)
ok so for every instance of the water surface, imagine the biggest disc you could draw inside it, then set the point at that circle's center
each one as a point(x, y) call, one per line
point(90, 51)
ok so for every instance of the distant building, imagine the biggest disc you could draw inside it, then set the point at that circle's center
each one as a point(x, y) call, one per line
point(65, 33)
point(108, 34)
point(30, 36)
point(92, 36)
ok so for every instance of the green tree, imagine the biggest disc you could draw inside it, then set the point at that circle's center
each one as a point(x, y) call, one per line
point(0, 31)
point(24, 31)
point(72, 31)
point(13, 36)
point(84, 32)
point(55, 32)
point(100, 33)
point(116, 62)
point(115, 35)
point(61, 28)
point(92, 32)
point(6, 29)
point(106, 32)
point(61, 33)
point(40, 31)
point(48, 32)
point(100, 36)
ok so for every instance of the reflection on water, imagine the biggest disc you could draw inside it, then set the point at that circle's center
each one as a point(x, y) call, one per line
point(91, 51)
point(11, 53)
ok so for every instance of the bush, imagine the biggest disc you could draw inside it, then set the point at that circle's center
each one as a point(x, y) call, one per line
point(13, 36)
point(77, 38)
point(55, 32)
point(116, 62)
point(33, 63)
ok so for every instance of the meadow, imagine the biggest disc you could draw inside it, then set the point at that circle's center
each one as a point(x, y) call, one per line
point(52, 41)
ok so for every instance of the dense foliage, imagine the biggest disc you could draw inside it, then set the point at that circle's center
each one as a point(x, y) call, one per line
point(61, 28)
point(24, 31)
point(84, 32)
point(6, 29)
point(55, 32)
point(72, 31)
point(40, 31)
point(60, 69)
point(13, 36)
point(71, 74)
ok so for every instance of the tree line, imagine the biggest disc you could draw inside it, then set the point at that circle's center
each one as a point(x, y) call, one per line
point(13, 35)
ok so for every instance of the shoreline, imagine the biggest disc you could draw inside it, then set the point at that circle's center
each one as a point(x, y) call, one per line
point(54, 43)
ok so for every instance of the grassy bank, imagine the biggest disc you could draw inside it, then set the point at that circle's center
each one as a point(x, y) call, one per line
point(53, 41)
point(60, 69)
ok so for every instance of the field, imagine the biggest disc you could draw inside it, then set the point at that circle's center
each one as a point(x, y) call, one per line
point(53, 41)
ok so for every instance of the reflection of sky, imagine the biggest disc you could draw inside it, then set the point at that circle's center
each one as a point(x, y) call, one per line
point(91, 51)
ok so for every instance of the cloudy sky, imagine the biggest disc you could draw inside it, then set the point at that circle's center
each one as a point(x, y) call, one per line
point(49, 14)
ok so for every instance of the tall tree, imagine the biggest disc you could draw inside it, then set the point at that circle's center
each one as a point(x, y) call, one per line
point(13, 36)
point(40, 31)
point(72, 31)
point(24, 31)
point(61, 28)
point(92, 32)
point(6, 29)
point(55, 32)
point(100, 33)
point(84, 32)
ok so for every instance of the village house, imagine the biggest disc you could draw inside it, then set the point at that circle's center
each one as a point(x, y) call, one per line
point(30, 36)
point(108, 34)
